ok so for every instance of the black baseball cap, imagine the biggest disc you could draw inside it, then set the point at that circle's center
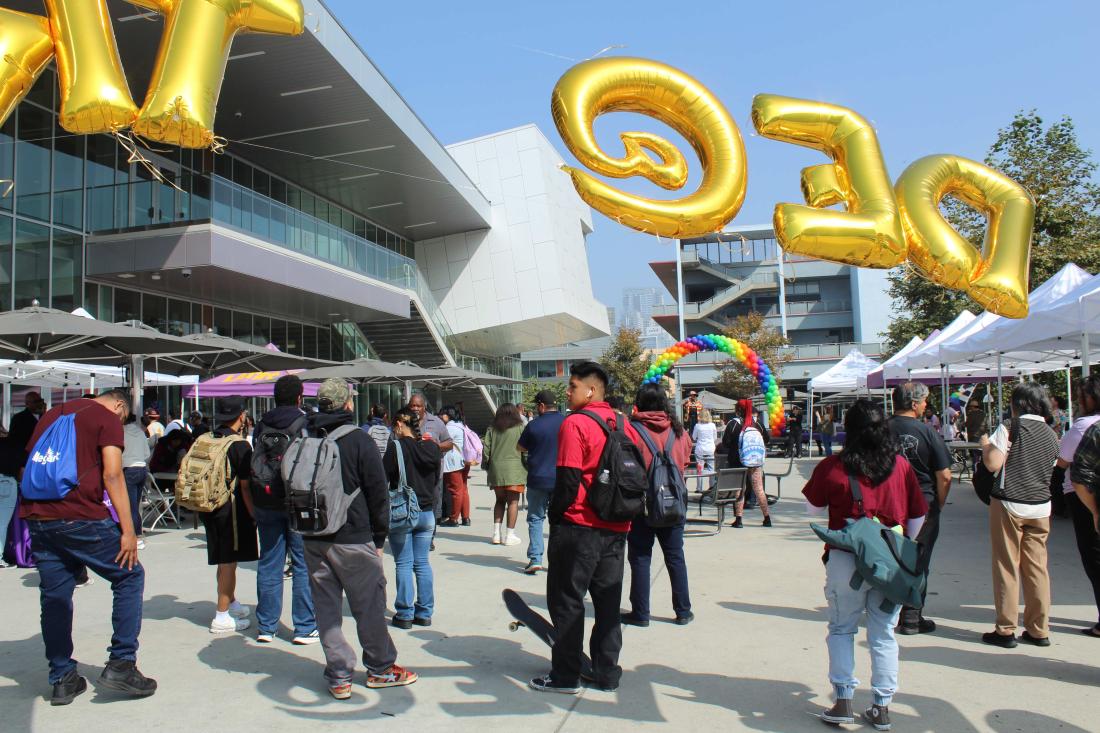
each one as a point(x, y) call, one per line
point(546, 397)
point(229, 409)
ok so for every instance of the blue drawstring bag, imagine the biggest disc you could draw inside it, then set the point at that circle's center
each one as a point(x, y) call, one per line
point(51, 469)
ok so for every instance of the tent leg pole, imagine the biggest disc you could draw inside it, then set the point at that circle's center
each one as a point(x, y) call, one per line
point(1069, 394)
point(1085, 355)
point(810, 419)
point(1000, 391)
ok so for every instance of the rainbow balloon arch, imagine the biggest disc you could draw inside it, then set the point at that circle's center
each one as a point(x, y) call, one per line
point(769, 385)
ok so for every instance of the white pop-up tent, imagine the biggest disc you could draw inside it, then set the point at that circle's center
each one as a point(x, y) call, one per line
point(845, 376)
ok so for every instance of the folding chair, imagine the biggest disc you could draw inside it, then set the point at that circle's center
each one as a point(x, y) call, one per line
point(160, 504)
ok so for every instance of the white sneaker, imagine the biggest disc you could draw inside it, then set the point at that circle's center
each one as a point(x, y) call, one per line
point(496, 538)
point(234, 624)
point(141, 544)
point(86, 583)
point(512, 539)
point(263, 638)
point(240, 612)
point(311, 638)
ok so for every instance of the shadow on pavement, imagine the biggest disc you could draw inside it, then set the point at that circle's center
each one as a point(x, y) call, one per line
point(1015, 721)
point(1018, 662)
point(816, 615)
point(514, 564)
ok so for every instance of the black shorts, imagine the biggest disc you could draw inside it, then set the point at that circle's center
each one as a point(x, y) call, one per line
point(221, 546)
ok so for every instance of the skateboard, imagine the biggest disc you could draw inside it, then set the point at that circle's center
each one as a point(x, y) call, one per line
point(524, 615)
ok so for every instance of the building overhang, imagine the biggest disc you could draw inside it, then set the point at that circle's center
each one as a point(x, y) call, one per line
point(527, 335)
point(218, 265)
point(317, 111)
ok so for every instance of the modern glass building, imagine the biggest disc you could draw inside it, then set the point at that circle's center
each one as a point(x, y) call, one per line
point(323, 228)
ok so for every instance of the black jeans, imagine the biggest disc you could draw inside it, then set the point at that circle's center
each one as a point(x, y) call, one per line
point(1088, 543)
point(640, 555)
point(585, 560)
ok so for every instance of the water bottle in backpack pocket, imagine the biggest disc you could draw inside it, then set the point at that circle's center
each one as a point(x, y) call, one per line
point(404, 506)
point(316, 502)
point(51, 471)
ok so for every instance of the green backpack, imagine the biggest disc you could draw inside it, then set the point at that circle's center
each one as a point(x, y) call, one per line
point(889, 562)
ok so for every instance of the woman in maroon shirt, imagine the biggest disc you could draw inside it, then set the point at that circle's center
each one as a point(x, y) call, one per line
point(892, 495)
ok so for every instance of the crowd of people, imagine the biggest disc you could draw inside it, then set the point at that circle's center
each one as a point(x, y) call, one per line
point(396, 479)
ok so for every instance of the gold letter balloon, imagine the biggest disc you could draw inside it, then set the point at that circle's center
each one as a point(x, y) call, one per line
point(638, 85)
point(869, 233)
point(187, 74)
point(187, 77)
point(997, 277)
point(25, 49)
point(94, 95)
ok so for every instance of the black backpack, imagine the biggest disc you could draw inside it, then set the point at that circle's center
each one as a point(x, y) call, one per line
point(618, 490)
point(268, 490)
point(666, 495)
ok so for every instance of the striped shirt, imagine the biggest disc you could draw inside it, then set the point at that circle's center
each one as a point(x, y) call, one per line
point(1030, 459)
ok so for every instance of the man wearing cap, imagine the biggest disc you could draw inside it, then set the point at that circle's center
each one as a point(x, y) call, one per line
point(539, 441)
point(230, 529)
point(349, 562)
point(692, 408)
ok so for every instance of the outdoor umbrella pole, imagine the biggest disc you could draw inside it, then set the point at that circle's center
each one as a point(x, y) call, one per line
point(137, 380)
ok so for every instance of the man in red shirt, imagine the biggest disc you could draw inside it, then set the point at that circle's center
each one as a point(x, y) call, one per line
point(77, 532)
point(586, 553)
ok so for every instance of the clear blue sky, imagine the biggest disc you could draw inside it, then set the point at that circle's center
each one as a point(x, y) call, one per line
point(932, 76)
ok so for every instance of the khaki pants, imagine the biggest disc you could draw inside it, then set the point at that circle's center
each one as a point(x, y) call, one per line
point(1020, 554)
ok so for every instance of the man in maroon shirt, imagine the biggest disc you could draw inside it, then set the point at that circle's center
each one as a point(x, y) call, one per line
point(77, 532)
point(586, 553)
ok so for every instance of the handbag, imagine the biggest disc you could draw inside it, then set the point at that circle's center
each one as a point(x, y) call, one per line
point(984, 480)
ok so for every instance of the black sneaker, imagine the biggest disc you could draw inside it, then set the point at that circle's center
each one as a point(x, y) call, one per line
point(65, 691)
point(466, 522)
point(736, 523)
point(421, 621)
point(546, 683)
point(840, 712)
point(448, 523)
point(683, 619)
point(123, 675)
point(1006, 642)
point(402, 623)
point(767, 521)
point(925, 625)
point(1035, 640)
point(590, 679)
point(633, 619)
point(878, 716)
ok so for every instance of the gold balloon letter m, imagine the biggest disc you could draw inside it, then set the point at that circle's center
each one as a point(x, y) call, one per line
point(869, 233)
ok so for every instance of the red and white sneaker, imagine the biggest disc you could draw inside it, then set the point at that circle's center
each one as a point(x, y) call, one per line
point(341, 692)
point(395, 676)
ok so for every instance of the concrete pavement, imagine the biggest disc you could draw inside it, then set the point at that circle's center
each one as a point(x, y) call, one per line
point(754, 659)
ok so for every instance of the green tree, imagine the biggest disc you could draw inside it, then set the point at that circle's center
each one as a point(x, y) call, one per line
point(531, 389)
point(626, 363)
point(735, 381)
point(1050, 163)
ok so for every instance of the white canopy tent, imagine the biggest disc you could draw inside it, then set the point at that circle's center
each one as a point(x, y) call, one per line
point(847, 375)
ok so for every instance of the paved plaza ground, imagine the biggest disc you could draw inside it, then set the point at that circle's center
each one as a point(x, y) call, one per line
point(754, 659)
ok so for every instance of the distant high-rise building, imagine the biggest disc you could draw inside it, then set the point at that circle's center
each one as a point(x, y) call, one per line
point(611, 318)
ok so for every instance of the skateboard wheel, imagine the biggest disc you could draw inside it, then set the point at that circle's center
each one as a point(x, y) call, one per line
point(514, 626)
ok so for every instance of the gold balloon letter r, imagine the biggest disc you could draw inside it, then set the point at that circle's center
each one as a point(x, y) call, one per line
point(869, 233)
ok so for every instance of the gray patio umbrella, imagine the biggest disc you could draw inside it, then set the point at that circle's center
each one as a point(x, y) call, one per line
point(450, 376)
point(48, 334)
point(212, 355)
point(368, 371)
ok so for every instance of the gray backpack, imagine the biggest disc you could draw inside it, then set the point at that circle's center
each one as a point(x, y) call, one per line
point(316, 502)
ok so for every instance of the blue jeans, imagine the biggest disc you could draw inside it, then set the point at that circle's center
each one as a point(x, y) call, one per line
point(827, 444)
point(135, 487)
point(639, 552)
point(9, 495)
point(410, 554)
point(62, 549)
point(846, 606)
point(708, 465)
point(537, 502)
point(276, 540)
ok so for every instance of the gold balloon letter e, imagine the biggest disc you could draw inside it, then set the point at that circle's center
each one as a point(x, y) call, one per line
point(183, 93)
point(869, 233)
point(997, 278)
point(654, 89)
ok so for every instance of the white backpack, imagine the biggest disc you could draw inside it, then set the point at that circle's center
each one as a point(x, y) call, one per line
point(751, 447)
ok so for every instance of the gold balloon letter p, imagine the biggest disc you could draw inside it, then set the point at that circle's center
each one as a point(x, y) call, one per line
point(671, 96)
point(869, 234)
point(997, 277)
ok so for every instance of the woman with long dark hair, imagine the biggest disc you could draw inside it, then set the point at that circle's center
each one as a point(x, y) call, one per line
point(653, 414)
point(892, 495)
point(1021, 456)
point(507, 476)
point(1088, 541)
point(412, 548)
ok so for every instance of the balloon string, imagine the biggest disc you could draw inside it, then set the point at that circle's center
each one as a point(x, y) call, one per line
point(137, 156)
point(7, 189)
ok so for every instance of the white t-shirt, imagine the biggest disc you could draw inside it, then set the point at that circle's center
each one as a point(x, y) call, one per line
point(705, 435)
point(1069, 444)
point(999, 439)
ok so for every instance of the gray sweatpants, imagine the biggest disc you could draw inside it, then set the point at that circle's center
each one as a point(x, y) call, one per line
point(354, 570)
